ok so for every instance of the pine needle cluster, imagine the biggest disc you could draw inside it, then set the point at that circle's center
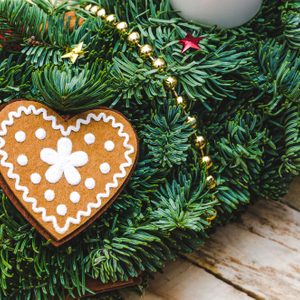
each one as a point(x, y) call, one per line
point(243, 86)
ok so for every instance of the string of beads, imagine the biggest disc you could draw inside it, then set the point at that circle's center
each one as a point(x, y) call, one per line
point(146, 52)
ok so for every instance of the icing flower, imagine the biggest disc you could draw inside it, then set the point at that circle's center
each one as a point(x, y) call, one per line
point(63, 162)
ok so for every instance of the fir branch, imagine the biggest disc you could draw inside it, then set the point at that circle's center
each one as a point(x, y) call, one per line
point(69, 89)
point(183, 204)
point(26, 19)
point(243, 86)
point(167, 137)
point(14, 79)
point(280, 79)
point(291, 20)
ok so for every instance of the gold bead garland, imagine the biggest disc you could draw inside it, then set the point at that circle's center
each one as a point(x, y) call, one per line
point(171, 83)
point(111, 19)
point(200, 142)
point(94, 9)
point(211, 182)
point(159, 64)
point(122, 27)
point(134, 38)
point(181, 101)
point(101, 13)
point(146, 52)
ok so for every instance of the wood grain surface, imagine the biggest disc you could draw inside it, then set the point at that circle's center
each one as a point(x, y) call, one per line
point(183, 280)
point(256, 257)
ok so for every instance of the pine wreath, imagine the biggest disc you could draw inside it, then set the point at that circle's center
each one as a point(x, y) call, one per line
point(243, 86)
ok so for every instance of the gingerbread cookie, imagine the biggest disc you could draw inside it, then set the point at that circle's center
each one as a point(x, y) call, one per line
point(62, 174)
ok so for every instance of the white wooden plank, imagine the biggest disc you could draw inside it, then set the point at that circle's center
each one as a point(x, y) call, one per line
point(134, 296)
point(260, 254)
point(182, 280)
point(275, 221)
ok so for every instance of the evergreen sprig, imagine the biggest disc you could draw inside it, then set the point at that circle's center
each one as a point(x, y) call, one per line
point(70, 89)
point(243, 86)
point(14, 79)
point(168, 137)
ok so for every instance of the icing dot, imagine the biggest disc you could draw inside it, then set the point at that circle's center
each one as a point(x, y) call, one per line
point(90, 183)
point(89, 138)
point(75, 197)
point(20, 136)
point(61, 210)
point(109, 146)
point(40, 134)
point(22, 160)
point(105, 168)
point(35, 178)
point(49, 195)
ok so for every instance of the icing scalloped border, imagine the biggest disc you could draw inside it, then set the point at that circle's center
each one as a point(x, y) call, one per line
point(31, 109)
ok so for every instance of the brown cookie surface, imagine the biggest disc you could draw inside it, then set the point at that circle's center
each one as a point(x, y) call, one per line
point(63, 174)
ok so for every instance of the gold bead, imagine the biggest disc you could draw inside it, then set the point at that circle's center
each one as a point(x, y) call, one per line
point(213, 217)
point(111, 18)
point(192, 120)
point(181, 101)
point(146, 51)
point(94, 9)
point(88, 7)
point(122, 27)
point(134, 38)
point(207, 161)
point(159, 63)
point(101, 13)
point(200, 142)
point(171, 82)
point(211, 182)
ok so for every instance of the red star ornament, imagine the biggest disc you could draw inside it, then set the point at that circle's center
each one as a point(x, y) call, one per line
point(190, 42)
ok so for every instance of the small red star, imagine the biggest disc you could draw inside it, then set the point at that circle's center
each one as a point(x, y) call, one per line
point(190, 42)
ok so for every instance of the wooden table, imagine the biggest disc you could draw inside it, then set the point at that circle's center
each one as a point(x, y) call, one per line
point(257, 257)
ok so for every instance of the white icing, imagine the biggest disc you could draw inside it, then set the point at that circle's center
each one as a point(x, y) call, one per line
point(90, 183)
point(31, 109)
point(22, 160)
point(109, 146)
point(75, 197)
point(63, 162)
point(40, 134)
point(89, 138)
point(105, 168)
point(20, 136)
point(35, 178)
point(49, 195)
point(61, 210)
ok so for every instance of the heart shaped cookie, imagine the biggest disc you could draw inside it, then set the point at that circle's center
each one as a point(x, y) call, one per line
point(62, 174)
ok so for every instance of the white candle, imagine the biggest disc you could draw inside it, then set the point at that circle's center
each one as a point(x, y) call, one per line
point(224, 13)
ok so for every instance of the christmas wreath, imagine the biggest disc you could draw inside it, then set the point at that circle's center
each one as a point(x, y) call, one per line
point(215, 114)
